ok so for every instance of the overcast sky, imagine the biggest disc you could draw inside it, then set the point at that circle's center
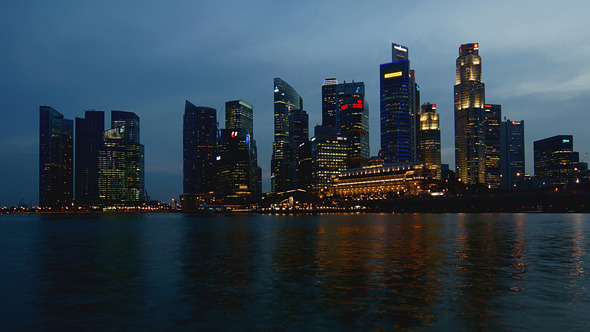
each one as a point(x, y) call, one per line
point(148, 57)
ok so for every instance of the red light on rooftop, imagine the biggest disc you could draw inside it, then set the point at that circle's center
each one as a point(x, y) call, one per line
point(343, 107)
point(433, 105)
point(476, 45)
point(488, 106)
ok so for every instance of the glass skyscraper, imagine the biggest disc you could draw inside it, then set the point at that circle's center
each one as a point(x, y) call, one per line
point(470, 130)
point(286, 100)
point(493, 118)
point(199, 149)
point(89, 141)
point(512, 154)
point(429, 138)
point(56, 179)
point(556, 160)
point(399, 108)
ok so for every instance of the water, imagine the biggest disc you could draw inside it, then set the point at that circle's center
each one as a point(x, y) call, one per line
point(329, 272)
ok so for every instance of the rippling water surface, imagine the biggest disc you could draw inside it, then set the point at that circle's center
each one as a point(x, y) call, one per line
point(341, 272)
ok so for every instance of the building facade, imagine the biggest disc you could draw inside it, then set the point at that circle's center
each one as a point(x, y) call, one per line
point(89, 141)
point(555, 160)
point(121, 162)
point(399, 108)
point(328, 156)
point(470, 133)
point(199, 149)
point(56, 159)
point(512, 154)
point(429, 150)
point(286, 100)
point(493, 118)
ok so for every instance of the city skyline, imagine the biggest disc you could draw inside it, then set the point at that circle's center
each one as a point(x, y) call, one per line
point(93, 68)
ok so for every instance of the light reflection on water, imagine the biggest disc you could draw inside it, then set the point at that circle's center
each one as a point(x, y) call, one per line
point(351, 272)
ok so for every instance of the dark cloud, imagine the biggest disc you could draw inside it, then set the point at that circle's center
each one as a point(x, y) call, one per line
point(148, 57)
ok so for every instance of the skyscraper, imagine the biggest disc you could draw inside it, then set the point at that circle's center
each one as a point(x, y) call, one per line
point(512, 154)
point(493, 118)
point(470, 131)
point(328, 156)
point(199, 149)
point(121, 162)
point(556, 160)
point(89, 141)
point(329, 102)
point(286, 100)
point(398, 108)
point(56, 180)
point(429, 138)
point(238, 160)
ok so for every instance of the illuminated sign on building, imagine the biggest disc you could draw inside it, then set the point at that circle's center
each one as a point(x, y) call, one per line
point(248, 139)
point(394, 74)
point(565, 140)
point(399, 48)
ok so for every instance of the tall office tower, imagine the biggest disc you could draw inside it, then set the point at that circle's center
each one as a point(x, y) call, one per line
point(298, 134)
point(512, 154)
point(56, 180)
point(239, 116)
point(493, 118)
point(233, 162)
point(352, 121)
point(329, 102)
point(89, 141)
point(286, 100)
point(304, 167)
point(328, 156)
point(121, 162)
point(398, 108)
point(429, 138)
point(556, 160)
point(199, 149)
point(470, 133)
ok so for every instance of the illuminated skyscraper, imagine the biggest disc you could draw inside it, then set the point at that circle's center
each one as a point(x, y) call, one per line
point(121, 162)
point(556, 160)
point(470, 129)
point(286, 100)
point(328, 156)
point(493, 118)
point(199, 141)
point(89, 141)
point(56, 179)
point(512, 154)
point(329, 102)
point(239, 116)
point(399, 108)
point(429, 138)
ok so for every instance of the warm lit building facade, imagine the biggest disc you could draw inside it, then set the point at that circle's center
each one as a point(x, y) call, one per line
point(493, 118)
point(470, 132)
point(328, 156)
point(555, 160)
point(429, 151)
point(56, 177)
point(385, 181)
point(399, 107)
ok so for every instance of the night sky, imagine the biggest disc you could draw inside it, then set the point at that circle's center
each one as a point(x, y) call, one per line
point(148, 57)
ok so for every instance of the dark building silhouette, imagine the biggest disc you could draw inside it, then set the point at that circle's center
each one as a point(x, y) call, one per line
point(199, 141)
point(56, 179)
point(429, 151)
point(121, 162)
point(493, 118)
point(88, 142)
point(329, 102)
point(512, 154)
point(399, 107)
point(286, 100)
point(304, 166)
point(298, 134)
point(556, 160)
point(470, 131)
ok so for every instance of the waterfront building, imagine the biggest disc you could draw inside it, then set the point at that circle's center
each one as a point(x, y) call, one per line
point(399, 108)
point(328, 156)
point(121, 162)
point(429, 151)
point(556, 160)
point(329, 102)
point(233, 162)
point(199, 142)
point(384, 181)
point(493, 118)
point(353, 121)
point(304, 166)
point(470, 133)
point(286, 100)
point(56, 179)
point(89, 141)
point(512, 154)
